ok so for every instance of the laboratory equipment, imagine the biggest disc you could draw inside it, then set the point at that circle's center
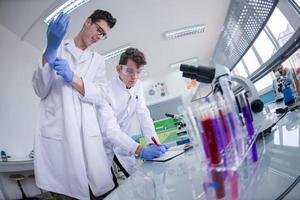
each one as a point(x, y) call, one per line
point(248, 123)
point(277, 87)
point(230, 125)
point(229, 144)
point(3, 156)
point(221, 79)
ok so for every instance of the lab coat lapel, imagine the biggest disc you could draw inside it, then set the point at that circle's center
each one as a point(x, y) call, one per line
point(77, 55)
point(126, 95)
point(132, 91)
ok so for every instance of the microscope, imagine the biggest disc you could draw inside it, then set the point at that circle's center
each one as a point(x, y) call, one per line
point(221, 78)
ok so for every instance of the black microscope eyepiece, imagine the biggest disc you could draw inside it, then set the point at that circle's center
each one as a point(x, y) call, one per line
point(200, 73)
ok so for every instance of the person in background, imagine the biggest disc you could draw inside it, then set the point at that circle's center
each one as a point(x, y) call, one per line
point(298, 73)
point(293, 75)
point(277, 86)
point(297, 80)
point(125, 96)
point(288, 86)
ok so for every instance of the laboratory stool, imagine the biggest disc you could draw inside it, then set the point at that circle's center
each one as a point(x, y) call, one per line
point(31, 176)
point(19, 178)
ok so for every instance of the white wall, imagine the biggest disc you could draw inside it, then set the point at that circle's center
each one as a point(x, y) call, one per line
point(18, 107)
point(175, 86)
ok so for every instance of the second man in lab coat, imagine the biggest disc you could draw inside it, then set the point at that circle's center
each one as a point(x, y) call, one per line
point(125, 96)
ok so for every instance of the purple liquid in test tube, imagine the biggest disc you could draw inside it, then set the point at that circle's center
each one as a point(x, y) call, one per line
point(218, 129)
point(250, 129)
point(232, 128)
point(219, 133)
point(248, 123)
point(231, 125)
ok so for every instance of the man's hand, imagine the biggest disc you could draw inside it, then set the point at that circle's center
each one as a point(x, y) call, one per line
point(152, 151)
point(55, 34)
point(62, 68)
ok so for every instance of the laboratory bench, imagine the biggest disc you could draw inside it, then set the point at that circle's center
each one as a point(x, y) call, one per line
point(16, 165)
point(276, 176)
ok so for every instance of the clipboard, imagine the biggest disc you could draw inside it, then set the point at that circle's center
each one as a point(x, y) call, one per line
point(173, 152)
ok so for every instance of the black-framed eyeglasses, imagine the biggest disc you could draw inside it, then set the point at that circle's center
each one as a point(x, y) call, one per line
point(101, 32)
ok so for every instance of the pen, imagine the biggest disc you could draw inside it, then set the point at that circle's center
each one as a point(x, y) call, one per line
point(154, 141)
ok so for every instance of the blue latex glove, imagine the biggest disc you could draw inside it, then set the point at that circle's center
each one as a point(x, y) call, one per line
point(62, 68)
point(55, 34)
point(151, 152)
point(165, 147)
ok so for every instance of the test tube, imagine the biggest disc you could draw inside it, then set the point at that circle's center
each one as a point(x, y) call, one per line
point(204, 142)
point(225, 122)
point(207, 118)
point(199, 127)
point(219, 130)
point(229, 126)
point(248, 123)
point(230, 145)
point(233, 185)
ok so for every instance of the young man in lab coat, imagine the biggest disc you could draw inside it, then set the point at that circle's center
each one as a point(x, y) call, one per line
point(70, 80)
point(125, 96)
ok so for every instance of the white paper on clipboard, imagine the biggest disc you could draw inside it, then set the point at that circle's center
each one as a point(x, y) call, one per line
point(168, 155)
point(173, 152)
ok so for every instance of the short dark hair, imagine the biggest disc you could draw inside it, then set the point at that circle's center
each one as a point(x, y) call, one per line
point(133, 54)
point(104, 15)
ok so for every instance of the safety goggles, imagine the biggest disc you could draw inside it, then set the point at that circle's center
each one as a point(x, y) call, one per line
point(129, 71)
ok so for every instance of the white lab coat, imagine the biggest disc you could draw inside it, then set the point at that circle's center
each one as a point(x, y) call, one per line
point(69, 152)
point(125, 104)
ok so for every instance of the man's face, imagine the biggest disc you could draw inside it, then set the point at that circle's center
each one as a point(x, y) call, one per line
point(129, 73)
point(95, 31)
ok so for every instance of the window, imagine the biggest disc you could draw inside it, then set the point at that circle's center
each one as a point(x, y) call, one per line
point(251, 61)
point(280, 27)
point(264, 82)
point(297, 2)
point(296, 5)
point(264, 46)
point(240, 70)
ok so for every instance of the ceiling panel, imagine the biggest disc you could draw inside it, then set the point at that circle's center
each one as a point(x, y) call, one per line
point(139, 22)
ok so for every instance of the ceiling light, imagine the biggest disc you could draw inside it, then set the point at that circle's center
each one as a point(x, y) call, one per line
point(186, 61)
point(67, 7)
point(190, 30)
point(116, 52)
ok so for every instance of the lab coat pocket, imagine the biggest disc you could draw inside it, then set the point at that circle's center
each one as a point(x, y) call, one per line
point(89, 120)
point(51, 125)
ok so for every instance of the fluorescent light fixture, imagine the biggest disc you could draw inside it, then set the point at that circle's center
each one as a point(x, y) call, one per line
point(116, 52)
point(186, 61)
point(190, 30)
point(67, 7)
